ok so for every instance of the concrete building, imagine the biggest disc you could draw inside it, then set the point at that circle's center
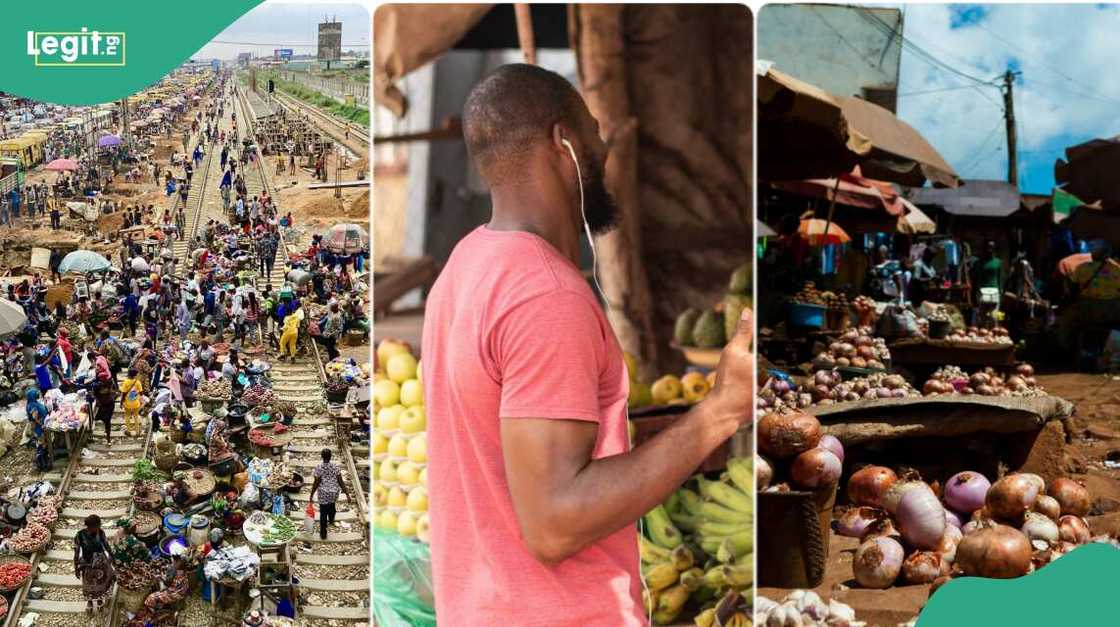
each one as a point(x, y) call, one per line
point(846, 50)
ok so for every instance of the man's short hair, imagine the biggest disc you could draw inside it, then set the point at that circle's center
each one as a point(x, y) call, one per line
point(511, 109)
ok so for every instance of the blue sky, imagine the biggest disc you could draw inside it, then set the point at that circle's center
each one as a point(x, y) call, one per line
point(1068, 90)
point(290, 24)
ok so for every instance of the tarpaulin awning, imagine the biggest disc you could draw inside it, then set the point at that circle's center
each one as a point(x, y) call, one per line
point(916, 222)
point(1064, 203)
point(985, 199)
point(408, 36)
point(1090, 222)
point(805, 132)
point(850, 189)
point(1089, 171)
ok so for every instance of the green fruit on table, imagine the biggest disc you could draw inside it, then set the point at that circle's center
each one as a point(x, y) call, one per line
point(740, 282)
point(709, 330)
point(682, 330)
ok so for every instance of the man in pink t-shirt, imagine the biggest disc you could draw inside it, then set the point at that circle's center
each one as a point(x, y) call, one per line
point(534, 491)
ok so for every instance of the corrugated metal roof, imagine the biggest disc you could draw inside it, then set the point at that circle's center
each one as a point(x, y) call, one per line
point(989, 199)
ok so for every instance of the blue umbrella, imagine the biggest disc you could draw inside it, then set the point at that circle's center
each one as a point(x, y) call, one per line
point(109, 140)
point(84, 262)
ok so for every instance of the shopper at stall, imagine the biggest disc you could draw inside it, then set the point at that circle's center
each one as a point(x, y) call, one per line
point(529, 456)
point(328, 485)
point(93, 563)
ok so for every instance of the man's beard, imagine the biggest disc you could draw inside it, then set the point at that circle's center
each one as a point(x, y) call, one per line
point(599, 206)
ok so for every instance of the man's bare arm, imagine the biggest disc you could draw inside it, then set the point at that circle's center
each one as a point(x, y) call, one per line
point(565, 500)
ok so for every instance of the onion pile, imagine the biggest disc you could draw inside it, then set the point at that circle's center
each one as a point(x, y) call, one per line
point(911, 535)
point(953, 380)
point(793, 450)
point(827, 387)
point(976, 335)
point(856, 348)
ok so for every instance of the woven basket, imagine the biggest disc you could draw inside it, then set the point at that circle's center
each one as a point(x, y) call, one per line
point(166, 461)
point(202, 486)
point(16, 559)
point(132, 600)
point(144, 523)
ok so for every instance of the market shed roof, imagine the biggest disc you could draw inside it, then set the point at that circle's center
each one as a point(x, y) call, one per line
point(985, 199)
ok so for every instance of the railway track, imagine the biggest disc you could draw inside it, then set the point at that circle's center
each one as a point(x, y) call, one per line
point(352, 136)
point(334, 574)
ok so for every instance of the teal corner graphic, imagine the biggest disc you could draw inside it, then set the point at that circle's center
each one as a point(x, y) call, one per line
point(78, 52)
point(1085, 577)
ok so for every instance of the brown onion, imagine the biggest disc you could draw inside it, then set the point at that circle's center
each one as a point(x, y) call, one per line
point(947, 545)
point(923, 567)
point(868, 485)
point(783, 436)
point(763, 471)
point(1025, 370)
point(816, 468)
point(1039, 527)
point(1072, 497)
point(1048, 506)
point(881, 528)
point(1010, 497)
point(999, 552)
point(1073, 529)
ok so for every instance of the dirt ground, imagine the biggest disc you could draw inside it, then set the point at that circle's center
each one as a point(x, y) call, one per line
point(1092, 437)
point(318, 209)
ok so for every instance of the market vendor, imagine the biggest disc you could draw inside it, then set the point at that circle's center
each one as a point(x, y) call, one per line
point(173, 588)
point(1094, 298)
point(93, 562)
point(532, 468)
point(36, 415)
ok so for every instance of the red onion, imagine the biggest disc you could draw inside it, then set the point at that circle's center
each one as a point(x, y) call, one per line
point(965, 491)
point(1010, 497)
point(1073, 529)
point(1025, 370)
point(921, 518)
point(868, 485)
point(999, 552)
point(877, 562)
point(1072, 497)
point(783, 436)
point(764, 472)
point(895, 493)
point(1039, 527)
point(923, 567)
point(1048, 506)
point(952, 518)
point(816, 468)
point(854, 522)
point(780, 386)
point(833, 444)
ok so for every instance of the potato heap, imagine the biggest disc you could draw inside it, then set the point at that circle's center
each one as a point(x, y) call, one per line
point(400, 443)
point(856, 348)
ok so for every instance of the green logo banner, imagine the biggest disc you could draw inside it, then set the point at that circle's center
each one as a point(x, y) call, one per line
point(1086, 578)
point(83, 52)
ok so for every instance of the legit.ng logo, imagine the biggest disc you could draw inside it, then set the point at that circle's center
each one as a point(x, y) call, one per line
point(84, 48)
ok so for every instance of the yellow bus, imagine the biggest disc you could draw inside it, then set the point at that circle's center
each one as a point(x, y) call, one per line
point(37, 143)
point(20, 149)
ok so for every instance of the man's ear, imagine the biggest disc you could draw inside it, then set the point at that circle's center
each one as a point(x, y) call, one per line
point(559, 134)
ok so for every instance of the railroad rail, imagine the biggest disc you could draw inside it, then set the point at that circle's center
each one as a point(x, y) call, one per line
point(352, 136)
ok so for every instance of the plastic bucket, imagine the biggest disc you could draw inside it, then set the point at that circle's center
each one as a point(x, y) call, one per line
point(174, 523)
point(807, 316)
point(200, 530)
point(796, 526)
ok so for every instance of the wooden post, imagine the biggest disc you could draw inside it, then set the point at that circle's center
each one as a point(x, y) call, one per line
point(525, 32)
point(596, 32)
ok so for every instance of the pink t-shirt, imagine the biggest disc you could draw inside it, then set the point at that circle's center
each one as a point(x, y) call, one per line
point(512, 329)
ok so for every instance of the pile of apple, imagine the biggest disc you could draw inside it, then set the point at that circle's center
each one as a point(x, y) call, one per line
point(400, 443)
point(668, 389)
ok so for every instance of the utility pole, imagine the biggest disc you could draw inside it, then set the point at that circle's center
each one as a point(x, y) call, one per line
point(1009, 119)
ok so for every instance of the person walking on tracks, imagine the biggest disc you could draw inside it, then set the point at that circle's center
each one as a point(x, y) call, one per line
point(328, 483)
point(92, 563)
point(131, 401)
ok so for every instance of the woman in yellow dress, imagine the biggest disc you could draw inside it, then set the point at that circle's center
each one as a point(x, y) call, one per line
point(131, 401)
point(290, 336)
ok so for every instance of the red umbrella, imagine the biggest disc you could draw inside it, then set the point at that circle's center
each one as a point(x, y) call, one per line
point(821, 232)
point(62, 165)
point(346, 239)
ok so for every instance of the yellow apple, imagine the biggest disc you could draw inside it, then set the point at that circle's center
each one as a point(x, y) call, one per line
point(412, 393)
point(414, 420)
point(388, 348)
point(408, 473)
point(418, 449)
point(387, 392)
point(423, 527)
point(401, 367)
point(695, 387)
point(406, 524)
point(388, 419)
point(397, 497)
point(380, 444)
point(417, 500)
point(387, 520)
point(387, 472)
point(424, 477)
point(380, 495)
point(666, 389)
point(398, 446)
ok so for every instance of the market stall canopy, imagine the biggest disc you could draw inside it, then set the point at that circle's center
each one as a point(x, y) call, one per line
point(346, 239)
point(1090, 222)
point(109, 140)
point(12, 318)
point(822, 232)
point(852, 189)
point(987, 199)
point(83, 262)
point(806, 132)
point(1089, 171)
point(62, 165)
point(408, 36)
point(916, 222)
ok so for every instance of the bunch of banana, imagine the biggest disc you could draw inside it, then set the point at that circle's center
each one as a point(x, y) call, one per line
point(699, 545)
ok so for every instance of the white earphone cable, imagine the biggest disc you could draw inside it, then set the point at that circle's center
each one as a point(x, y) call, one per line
point(607, 305)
